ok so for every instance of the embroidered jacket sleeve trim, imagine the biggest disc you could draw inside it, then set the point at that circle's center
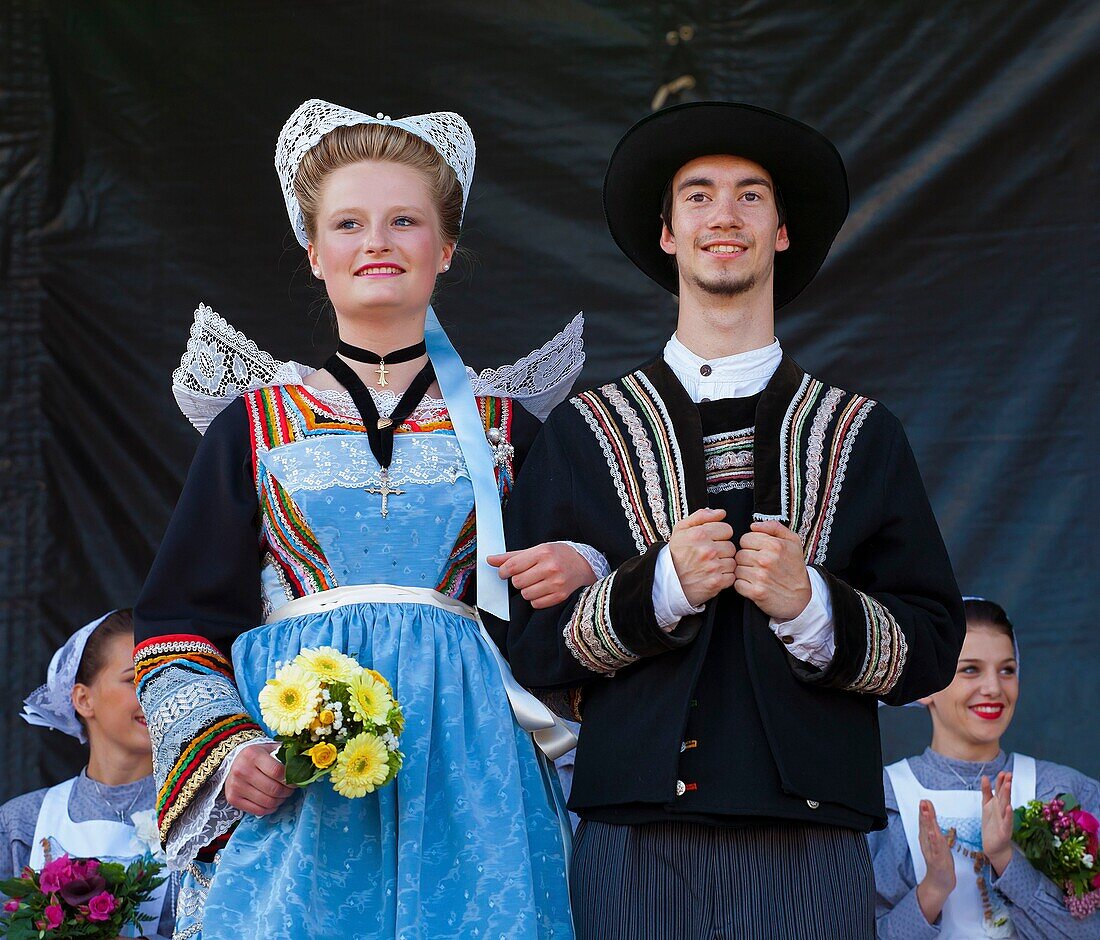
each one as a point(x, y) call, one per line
point(614, 624)
point(195, 716)
point(871, 649)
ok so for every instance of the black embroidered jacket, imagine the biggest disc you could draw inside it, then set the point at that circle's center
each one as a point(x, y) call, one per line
point(616, 468)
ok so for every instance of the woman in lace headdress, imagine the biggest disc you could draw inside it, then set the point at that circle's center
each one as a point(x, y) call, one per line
point(106, 811)
point(356, 508)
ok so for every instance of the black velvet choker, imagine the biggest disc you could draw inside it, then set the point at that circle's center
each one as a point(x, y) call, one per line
point(398, 355)
point(380, 430)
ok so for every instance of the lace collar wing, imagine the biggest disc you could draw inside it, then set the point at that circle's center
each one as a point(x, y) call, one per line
point(542, 379)
point(221, 363)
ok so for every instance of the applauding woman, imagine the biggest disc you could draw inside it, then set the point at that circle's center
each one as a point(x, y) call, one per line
point(946, 865)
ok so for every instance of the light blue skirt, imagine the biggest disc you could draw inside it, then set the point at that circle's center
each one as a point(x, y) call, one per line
point(466, 842)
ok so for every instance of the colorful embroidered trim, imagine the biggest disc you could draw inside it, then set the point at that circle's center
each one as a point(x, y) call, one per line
point(198, 763)
point(610, 441)
point(728, 460)
point(663, 434)
point(636, 428)
point(812, 475)
point(589, 634)
point(185, 684)
point(886, 650)
point(847, 428)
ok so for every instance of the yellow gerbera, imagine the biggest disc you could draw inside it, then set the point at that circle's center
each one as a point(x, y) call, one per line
point(381, 678)
point(370, 700)
point(323, 755)
point(289, 702)
point(327, 663)
point(363, 764)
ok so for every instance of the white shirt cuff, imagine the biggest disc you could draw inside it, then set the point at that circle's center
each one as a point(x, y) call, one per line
point(810, 636)
point(669, 602)
point(597, 562)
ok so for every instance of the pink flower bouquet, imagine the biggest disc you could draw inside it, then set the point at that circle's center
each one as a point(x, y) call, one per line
point(1062, 841)
point(78, 897)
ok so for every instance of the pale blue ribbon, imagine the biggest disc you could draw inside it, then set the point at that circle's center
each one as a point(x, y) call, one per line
point(450, 372)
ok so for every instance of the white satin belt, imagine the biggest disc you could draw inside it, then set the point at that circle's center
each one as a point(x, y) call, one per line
point(550, 733)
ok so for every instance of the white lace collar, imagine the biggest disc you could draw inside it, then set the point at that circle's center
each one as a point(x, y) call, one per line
point(221, 363)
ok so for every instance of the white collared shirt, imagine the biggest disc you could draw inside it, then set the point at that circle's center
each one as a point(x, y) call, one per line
point(810, 635)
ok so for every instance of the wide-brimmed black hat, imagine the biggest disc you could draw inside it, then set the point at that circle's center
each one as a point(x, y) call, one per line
point(806, 168)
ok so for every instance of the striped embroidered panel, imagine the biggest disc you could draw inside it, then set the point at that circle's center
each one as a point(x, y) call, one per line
point(589, 634)
point(280, 415)
point(728, 460)
point(887, 650)
point(195, 716)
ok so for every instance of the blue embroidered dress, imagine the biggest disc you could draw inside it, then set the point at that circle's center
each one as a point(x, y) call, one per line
point(283, 502)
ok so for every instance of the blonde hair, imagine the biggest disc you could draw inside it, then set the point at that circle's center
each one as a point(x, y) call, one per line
point(347, 145)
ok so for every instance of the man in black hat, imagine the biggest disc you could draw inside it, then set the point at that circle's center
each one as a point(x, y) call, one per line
point(774, 567)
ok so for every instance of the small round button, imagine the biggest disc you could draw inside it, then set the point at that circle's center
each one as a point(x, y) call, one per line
point(813, 804)
point(681, 788)
point(787, 639)
point(705, 369)
point(704, 399)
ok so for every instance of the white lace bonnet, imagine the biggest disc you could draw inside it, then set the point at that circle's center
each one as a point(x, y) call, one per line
point(51, 705)
point(446, 131)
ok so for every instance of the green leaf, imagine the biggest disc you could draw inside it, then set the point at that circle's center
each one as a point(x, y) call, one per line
point(299, 770)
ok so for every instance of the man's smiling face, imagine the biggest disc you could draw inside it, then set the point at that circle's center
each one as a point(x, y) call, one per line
point(724, 227)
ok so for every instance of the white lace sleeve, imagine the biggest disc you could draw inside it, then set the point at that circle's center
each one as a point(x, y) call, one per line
point(541, 379)
point(207, 817)
point(219, 364)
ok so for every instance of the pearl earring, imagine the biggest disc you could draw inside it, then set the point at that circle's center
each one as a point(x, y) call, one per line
point(446, 267)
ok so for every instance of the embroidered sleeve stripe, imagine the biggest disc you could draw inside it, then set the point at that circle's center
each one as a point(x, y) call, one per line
point(815, 448)
point(643, 449)
point(672, 462)
point(886, 650)
point(793, 471)
point(198, 763)
point(590, 636)
point(194, 653)
point(844, 438)
point(193, 663)
point(617, 457)
point(175, 642)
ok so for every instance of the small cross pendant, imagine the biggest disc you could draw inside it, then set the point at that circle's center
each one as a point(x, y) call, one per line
point(385, 491)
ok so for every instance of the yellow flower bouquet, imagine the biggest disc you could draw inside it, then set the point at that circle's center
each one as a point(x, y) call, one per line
point(333, 717)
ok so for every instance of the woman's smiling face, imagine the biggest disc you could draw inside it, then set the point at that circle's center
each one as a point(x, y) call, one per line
point(376, 243)
point(976, 709)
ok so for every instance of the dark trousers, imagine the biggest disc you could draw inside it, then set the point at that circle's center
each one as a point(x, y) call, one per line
point(685, 881)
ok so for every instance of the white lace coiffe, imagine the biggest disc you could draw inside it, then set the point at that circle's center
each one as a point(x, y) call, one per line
point(220, 363)
point(51, 705)
point(446, 131)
